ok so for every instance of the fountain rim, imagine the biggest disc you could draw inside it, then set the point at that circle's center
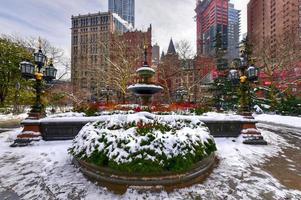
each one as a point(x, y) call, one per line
point(144, 85)
point(145, 68)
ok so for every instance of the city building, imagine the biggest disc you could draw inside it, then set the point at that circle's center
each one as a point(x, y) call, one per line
point(273, 30)
point(271, 19)
point(233, 32)
point(93, 48)
point(183, 79)
point(156, 54)
point(89, 46)
point(211, 18)
point(124, 10)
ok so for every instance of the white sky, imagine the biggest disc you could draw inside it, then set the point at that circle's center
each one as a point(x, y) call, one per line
point(51, 19)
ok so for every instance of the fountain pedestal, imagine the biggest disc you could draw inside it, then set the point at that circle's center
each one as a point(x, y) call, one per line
point(144, 88)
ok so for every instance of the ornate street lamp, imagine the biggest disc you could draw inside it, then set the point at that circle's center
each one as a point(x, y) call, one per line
point(253, 73)
point(248, 74)
point(181, 92)
point(31, 130)
point(40, 58)
point(29, 71)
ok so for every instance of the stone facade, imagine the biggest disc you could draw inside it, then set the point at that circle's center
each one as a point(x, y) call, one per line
point(89, 47)
point(272, 19)
point(93, 46)
point(183, 80)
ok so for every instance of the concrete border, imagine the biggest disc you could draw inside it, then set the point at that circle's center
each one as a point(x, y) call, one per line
point(107, 177)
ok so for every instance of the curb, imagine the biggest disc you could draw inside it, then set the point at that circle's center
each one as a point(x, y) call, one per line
point(108, 177)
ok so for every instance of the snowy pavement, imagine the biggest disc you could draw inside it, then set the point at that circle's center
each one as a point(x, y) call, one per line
point(279, 120)
point(44, 171)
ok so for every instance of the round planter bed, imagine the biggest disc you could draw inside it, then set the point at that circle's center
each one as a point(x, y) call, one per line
point(144, 150)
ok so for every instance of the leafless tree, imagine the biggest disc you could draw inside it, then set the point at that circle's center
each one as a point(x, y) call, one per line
point(279, 56)
point(122, 61)
point(185, 50)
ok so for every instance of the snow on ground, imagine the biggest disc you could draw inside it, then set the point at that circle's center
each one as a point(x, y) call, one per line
point(67, 114)
point(44, 171)
point(279, 120)
point(6, 117)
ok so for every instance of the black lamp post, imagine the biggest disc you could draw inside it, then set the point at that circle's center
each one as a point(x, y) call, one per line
point(181, 92)
point(244, 74)
point(107, 92)
point(29, 71)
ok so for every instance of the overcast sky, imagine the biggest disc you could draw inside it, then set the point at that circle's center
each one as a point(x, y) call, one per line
point(50, 19)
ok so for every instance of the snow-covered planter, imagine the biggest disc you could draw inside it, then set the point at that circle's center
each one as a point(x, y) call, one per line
point(144, 143)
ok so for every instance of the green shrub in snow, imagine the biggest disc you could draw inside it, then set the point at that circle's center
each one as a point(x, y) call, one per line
point(144, 143)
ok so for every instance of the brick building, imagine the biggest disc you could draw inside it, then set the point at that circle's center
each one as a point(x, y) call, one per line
point(93, 37)
point(183, 80)
point(272, 19)
point(274, 28)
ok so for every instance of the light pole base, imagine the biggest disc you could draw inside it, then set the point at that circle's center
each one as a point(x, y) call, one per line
point(251, 135)
point(31, 131)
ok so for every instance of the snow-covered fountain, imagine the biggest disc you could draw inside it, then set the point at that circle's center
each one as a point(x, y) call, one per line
point(144, 88)
point(145, 150)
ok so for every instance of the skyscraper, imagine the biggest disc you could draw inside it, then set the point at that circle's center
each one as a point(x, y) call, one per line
point(211, 17)
point(273, 20)
point(233, 32)
point(126, 10)
point(156, 54)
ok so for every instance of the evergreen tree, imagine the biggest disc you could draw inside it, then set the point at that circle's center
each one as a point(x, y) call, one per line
point(225, 96)
point(11, 54)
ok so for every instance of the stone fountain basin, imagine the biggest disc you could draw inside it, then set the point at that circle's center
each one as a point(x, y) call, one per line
point(145, 89)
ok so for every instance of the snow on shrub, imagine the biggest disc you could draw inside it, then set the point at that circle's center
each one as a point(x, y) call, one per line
point(144, 142)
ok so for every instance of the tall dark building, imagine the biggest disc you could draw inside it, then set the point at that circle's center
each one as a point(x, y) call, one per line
point(233, 32)
point(156, 54)
point(211, 17)
point(125, 9)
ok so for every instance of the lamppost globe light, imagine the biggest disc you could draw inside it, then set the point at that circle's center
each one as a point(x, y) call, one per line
point(40, 58)
point(50, 72)
point(252, 73)
point(234, 76)
point(27, 69)
point(243, 62)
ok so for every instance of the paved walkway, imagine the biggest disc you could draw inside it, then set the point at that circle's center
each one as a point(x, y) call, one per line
point(287, 166)
point(44, 171)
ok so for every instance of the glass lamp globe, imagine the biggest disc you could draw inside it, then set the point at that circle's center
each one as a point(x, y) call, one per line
point(27, 69)
point(39, 58)
point(252, 73)
point(234, 76)
point(50, 72)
